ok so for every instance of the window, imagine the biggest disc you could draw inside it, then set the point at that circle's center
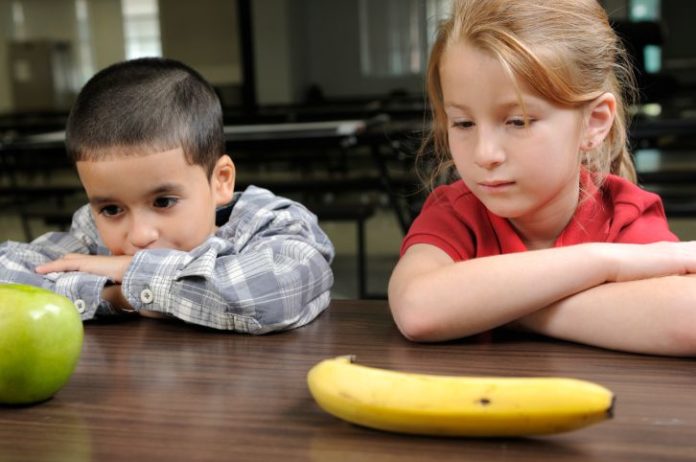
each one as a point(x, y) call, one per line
point(141, 28)
point(648, 10)
point(19, 31)
point(85, 67)
point(437, 10)
point(396, 35)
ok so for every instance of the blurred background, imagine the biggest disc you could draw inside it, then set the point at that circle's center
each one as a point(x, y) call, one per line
point(324, 102)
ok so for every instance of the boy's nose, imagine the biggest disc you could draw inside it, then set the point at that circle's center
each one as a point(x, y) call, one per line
point(142, 235)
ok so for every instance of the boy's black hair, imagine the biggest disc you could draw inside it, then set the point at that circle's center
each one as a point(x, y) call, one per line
point(154, 103)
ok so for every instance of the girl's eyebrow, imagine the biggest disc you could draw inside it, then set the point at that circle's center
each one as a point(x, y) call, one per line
point(456, 106)
point(529, 103)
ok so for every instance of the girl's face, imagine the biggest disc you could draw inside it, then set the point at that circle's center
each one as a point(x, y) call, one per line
point(528, 174)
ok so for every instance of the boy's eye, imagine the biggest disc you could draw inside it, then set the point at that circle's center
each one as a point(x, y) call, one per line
point(110, 210)
point(165, 202)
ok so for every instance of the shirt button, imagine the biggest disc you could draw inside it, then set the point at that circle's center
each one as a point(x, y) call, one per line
point(81, 306)
point(146, 296)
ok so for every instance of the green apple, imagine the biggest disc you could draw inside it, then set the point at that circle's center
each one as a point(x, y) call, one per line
point(40, 343)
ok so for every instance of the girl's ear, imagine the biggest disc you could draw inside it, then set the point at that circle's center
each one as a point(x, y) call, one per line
point(599, 117)
point(222, 180)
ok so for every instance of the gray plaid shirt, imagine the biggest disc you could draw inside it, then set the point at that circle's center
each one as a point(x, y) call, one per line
point(266, 269)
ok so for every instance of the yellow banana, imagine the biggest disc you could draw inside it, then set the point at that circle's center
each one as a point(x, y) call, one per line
point(455, 406)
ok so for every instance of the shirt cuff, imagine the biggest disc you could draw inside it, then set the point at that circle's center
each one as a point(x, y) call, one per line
point(84, 290)
point(145, 285)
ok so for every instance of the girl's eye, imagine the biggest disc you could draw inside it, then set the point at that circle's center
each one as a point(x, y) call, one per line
point(520, 122)
point(165, 202)
point(110, 210)
point(462, 124)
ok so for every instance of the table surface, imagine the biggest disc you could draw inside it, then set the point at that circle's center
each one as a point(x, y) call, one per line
point(149, 389)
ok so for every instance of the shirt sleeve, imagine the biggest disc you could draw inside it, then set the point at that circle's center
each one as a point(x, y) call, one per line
point(18, 260)
point(639, 216)
point(439, 225)
point(268, 269)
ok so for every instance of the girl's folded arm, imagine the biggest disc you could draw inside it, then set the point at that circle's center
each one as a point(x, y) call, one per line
point(433, 298)
point(655, 316)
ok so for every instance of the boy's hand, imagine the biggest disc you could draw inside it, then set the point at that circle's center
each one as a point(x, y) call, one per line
point(112, 294)
point(112, 267)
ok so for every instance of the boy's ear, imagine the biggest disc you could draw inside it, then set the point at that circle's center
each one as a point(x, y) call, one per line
point(599, 117)
point(222, 180)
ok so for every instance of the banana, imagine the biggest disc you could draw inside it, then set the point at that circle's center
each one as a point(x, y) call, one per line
point(456, 406)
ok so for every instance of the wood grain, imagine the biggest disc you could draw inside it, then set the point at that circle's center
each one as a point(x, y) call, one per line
point(157, 390)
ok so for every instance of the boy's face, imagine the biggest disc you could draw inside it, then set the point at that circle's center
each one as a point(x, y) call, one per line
point(154, 200)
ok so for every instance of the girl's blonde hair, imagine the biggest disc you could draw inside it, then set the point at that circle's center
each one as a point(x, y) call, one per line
point(565, 50)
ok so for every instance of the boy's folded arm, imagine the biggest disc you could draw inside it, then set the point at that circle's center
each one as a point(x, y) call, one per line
point(280, 285)
point(279, 279)
point(18, 261)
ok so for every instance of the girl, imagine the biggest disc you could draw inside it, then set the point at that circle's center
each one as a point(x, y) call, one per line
point(545, 229)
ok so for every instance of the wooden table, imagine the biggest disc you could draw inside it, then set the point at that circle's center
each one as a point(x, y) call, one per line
point(148, 390)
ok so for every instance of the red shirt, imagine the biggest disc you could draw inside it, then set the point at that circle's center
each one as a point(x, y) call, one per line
point(454, 220)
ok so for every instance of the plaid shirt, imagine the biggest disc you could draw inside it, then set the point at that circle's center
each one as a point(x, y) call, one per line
point(265, 269)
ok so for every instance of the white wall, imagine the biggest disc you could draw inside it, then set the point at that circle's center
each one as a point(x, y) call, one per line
point(44, 21)
point(298, 43)
point(5, 35)
point(203, 34)
point(50, 20)
point(106, 28)
point(334, 53)
point(273, 45)
point(304, 42)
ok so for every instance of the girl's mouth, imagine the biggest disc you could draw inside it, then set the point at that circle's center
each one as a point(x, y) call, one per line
point(496, 185)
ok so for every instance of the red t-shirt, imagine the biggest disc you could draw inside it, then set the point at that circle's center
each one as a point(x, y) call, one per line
point(454, 220)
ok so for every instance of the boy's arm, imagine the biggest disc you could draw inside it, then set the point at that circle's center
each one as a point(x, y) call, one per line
point(266, 270)
point(433, 298)
point(19, 260)
point(655, 316)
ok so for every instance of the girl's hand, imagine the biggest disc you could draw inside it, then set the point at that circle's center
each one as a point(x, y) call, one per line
point(113, 267)
point(640, 261)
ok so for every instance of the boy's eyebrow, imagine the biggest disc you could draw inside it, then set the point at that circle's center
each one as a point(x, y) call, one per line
point(100, 200)
point(164, 188)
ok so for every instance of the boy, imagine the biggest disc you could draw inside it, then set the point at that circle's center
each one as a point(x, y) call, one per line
point(164, 233)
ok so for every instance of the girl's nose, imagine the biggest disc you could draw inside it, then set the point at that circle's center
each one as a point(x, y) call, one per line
point(488, 152)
